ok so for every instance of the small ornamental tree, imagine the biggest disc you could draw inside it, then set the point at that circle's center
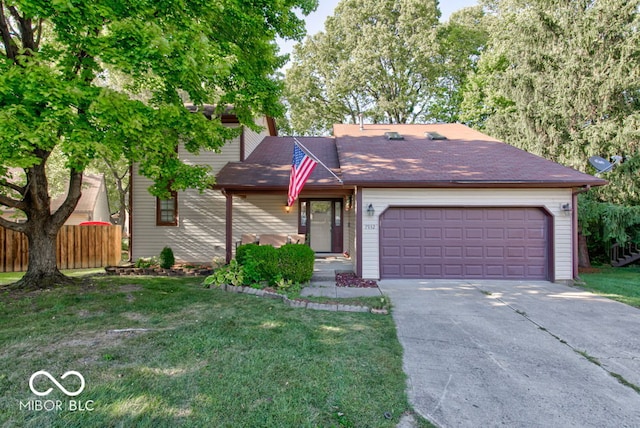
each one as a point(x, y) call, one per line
point(58, 62)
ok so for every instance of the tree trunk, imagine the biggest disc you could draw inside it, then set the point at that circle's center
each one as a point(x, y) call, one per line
point(43, 270)
point(583, 252)
point(42, 226)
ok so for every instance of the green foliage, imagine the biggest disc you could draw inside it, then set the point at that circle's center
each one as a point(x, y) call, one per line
point(108, 81)
point(390, 60)
point(561, 80)
point(295, 262)
point(232, 274)
point(291, 263)
point(242, 252)
point(145, 263)
point(166, 258)
point(260, 263)
point(606, 223)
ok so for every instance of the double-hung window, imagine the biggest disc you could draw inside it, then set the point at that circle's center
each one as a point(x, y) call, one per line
point(167, 211)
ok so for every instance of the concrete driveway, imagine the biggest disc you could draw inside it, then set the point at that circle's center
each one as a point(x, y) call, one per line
point(517, 354)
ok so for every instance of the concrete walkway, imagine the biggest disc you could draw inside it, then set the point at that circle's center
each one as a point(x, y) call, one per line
point(517, 354)
point(323, 282)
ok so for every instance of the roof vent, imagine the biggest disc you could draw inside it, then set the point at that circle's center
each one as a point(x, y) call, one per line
point(435, 136)
point(393, 136)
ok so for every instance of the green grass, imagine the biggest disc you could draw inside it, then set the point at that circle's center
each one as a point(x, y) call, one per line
point(10, 277)
point(621, 284)
point(207, 358)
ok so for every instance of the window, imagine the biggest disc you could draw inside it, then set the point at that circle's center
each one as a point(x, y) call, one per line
point(167, 211)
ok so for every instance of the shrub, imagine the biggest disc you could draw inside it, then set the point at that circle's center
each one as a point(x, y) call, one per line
point(264, 260)
point(166, 258)
point(260, 263)
point(242, 251)
point(145, 263)
point(295, 262)
point(287, 285)
point(232, 274)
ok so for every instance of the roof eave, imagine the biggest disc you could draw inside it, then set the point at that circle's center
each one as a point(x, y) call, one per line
point(474, 184)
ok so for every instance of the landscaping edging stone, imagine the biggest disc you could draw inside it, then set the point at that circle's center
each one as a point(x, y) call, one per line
point(134, 271)
point(298, 303)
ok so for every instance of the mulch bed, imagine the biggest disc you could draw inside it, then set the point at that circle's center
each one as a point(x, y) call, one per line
point(589, 270)
point(176, 271)
point(349, 279)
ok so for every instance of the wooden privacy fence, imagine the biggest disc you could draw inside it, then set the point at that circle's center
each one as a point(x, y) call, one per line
point(78, 247)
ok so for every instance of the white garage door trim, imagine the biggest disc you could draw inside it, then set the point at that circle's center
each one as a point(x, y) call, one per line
point(472, 242)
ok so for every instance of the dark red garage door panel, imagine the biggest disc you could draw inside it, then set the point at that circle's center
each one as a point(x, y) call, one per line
point(474, 243)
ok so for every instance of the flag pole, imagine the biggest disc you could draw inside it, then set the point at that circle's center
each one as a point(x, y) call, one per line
point(315, 158)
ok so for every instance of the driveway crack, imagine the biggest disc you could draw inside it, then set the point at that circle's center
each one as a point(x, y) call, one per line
point(582, 353)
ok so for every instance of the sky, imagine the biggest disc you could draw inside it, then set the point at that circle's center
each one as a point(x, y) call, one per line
point(315, 21)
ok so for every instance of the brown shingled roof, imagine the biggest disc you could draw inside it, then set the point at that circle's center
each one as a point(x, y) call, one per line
point(467, 158)
point(269, 165)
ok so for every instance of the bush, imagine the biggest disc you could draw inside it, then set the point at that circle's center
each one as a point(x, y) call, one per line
point(291, 262)
point(232, 274)
point(242, 251)
point(295, 262)
point(261, 263)
point(145, 263)
point(166, 258)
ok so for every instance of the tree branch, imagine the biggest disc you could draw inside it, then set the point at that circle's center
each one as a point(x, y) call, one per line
point(38, 33)
point(73, 196)
point(13, 186)
point(10, 47)
point(12, 225)
point(26, 30)
point(12, 203)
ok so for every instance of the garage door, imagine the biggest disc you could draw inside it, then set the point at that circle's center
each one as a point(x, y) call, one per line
point(474, 243)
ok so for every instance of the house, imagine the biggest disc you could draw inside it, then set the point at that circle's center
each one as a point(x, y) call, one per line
point(93, 204)
point(405, 201)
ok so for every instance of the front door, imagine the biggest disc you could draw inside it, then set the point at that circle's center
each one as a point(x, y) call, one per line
point(321, 221)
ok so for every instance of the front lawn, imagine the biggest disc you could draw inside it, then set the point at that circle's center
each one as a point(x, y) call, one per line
point(621, 284)
point(10, 277)
point(164, 352)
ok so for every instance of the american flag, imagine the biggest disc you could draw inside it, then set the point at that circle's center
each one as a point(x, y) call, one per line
point(301, 168)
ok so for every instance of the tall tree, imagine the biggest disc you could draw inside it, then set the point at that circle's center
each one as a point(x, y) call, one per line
point(390, 60)
point(55, 60)
point(562, 79)
point(461, 40)
point(373, 58)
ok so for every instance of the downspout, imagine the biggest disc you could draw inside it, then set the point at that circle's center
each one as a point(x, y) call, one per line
point(574, 227)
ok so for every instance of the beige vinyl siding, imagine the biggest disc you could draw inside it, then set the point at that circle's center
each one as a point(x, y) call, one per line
point(200, 233)
point(550, 199)
point(263, 213)
point(252, 139)
point(230, 152)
